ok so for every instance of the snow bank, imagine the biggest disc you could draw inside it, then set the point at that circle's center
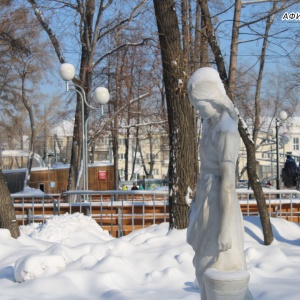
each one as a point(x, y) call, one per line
point(34, 266)
point(64, 229)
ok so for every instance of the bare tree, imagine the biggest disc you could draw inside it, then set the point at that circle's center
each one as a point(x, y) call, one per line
point(93, 27)
point(7, 212)
point(183, 167)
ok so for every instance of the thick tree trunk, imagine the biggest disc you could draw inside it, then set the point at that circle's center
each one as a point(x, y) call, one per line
point(183, 165)
point(7, 211)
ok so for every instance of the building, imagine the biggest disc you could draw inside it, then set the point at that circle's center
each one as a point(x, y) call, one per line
point(147, 155)
point(266, 155)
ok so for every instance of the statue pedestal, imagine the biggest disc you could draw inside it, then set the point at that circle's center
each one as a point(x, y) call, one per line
point(226, 285)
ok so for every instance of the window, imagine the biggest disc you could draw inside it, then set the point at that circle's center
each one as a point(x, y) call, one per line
point(266, 155)
point(103, 155)
point(121, 141)
point(155, 172)
point(295, 143)
point(165, 155)
point(121, 156)
point(104, 140)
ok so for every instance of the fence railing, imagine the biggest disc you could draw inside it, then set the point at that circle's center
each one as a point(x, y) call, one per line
point(118, 211)
point(121, 212)
point(280, 203)
point(34, 207)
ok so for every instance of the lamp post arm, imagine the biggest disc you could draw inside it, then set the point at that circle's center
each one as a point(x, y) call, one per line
point(78, 88)
point(81, 91)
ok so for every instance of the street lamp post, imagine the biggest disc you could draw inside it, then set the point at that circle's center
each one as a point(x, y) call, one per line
point(270, 137)
point(281, 118)
point(49, 165)
point(101, 96)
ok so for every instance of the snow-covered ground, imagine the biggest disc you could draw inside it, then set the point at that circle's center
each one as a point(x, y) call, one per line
point(71, 257)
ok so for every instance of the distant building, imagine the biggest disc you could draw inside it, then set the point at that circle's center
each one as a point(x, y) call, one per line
point(54, 146)
point(289, 143)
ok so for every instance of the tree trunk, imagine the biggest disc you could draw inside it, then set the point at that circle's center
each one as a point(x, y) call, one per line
point(183, 165)
point(257, 189)
point(250, 147)
point(256, 126)
point(33, 130)
point(76, 153)
point(7, 211)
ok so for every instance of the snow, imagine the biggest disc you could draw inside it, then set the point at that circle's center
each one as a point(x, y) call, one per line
point(161, 188)
point(29, 191)
point(67, 166)
point(21, 170)
point(71, 257)
point(207, 75)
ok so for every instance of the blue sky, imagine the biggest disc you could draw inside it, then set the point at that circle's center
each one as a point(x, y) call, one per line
point(248, 52)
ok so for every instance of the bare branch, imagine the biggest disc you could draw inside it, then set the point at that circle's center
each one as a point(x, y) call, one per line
point(271, 13)
point(48, 30)
point(121, 109)
point(142, 124)
point(126, 45)
point(122, 22)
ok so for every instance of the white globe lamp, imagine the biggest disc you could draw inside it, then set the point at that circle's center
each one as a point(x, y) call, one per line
point(67, 71)
point(283, 115)
point(101, 95)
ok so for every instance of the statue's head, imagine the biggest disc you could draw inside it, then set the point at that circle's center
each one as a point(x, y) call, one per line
point(205, 86)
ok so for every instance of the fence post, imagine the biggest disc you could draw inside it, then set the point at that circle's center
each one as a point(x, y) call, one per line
point(276, 211)
point(120, 223)
point(29, 216)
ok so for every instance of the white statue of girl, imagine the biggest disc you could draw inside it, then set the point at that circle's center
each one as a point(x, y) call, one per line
point(215, 229)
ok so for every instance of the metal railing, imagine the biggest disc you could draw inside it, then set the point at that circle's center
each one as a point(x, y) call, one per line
point(280, 203)
point(33, 207)
point(137, 208)
point(124, 211)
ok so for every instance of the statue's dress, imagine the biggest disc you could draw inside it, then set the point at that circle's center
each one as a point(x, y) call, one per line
point(219, 147)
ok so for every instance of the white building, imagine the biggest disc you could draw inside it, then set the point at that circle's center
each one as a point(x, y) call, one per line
point(266, 155)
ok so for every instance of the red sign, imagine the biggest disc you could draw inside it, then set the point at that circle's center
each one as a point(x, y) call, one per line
point(102, 175)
